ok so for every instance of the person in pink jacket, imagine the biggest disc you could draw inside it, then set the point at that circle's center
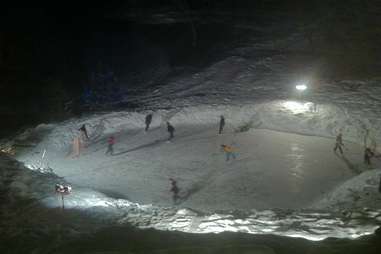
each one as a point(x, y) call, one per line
point(110, 148)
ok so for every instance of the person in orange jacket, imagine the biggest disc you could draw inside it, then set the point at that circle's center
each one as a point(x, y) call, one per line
point(229, 151)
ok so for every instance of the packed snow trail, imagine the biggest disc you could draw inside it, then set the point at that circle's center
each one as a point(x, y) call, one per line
point(272, 169)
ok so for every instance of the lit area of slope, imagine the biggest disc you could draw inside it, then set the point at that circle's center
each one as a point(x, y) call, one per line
point(144, 161)
point(272, 169)
point(27, 194)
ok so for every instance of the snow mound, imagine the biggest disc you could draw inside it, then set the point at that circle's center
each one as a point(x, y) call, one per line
point(356, 193)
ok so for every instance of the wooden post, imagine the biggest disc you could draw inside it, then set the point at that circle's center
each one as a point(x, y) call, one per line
point(63, 201)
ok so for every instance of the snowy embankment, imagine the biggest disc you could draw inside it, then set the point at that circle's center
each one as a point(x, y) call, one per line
point(24, 191)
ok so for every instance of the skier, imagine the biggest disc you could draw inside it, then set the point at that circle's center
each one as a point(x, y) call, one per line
point(148, 121)
point(339, 143)
point(175, 190)
point(110, 148)
point(379, 185)
point(83, 131)
point(229, 151)
point(368, 154)
point(171, 130)
point(222, 124)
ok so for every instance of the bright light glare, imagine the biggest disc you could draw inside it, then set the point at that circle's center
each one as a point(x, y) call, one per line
point(301, 87)
point(297, 107)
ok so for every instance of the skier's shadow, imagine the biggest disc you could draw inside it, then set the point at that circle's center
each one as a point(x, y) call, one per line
point(196, 187)
point(349, 164)
point(154, 143)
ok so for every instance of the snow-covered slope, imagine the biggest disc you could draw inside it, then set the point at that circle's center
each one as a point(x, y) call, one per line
point(358, 192)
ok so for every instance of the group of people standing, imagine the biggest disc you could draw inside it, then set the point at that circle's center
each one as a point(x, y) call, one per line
point(170, 128)
point(77, 141)
point(339, 145)
point(77, 144)
point(368, 154)
point(227, 149)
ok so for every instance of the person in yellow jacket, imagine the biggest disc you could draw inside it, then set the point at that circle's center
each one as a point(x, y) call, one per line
point(229, 151)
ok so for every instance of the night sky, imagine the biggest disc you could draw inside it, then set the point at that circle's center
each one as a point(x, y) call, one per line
point(51, 56)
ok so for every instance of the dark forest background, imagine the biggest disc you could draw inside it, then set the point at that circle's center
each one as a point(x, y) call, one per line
point(60, 59)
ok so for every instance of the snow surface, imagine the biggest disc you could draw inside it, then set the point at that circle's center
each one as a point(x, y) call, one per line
point(273, 169)
point(19, 182)
point(254, 88)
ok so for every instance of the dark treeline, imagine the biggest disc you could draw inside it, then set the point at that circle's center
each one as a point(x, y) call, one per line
point(50, 55)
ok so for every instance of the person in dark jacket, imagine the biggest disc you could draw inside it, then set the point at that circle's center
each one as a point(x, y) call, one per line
point(148, 121)
point(339, 143)
point(110, 148)
point(222, 124)
point(379, 185)
point(175, 190)
point(171, 130)
point(83, 131)
point(368, 154)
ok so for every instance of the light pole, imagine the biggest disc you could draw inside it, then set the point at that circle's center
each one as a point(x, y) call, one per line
point(300, 89)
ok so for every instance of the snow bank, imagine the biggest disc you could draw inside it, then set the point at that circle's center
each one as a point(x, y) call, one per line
point(106, 212)
point(290, 116)
point(357, 193)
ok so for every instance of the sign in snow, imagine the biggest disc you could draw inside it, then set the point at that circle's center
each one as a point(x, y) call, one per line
point(63, 189)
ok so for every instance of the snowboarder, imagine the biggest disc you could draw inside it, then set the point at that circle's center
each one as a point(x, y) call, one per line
point(368, 154)
point(229, 151)
point(222, 124)
point(148, 121)
point(110, 148)
point(175, 190)
point(83, 131)
point(171, 130)
point(339, 143)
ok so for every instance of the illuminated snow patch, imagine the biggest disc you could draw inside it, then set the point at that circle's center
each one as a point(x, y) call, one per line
point(313, 226)
point(298, 107)
point(301, 87)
